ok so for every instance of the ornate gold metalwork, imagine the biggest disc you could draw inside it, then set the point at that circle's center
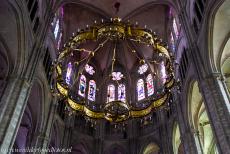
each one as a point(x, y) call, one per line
point(114, 30)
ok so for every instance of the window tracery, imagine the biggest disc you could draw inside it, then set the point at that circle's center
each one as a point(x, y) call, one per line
point(116, 76)
point(143, 68)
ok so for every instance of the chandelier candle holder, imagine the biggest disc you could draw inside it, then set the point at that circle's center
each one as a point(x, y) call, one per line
point(111, 96)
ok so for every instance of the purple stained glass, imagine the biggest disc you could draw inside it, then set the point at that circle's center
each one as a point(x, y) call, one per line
point(140, 89)
point(175, 28)
point(121, 92)
point(163, 72)
point(68, 73)
point(111, 93)
point(117, 76)
point(82, 86)
point(143, 68)
point(150, 87)
point(92, 90)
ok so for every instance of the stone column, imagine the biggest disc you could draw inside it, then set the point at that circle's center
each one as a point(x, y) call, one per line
point(99, 137)
point(15, 95)
point(187, 138)
point(218, 109)
point(12, 106)
point(132, 136)
point(43, 138)
point(69, 126)
point(163, 132)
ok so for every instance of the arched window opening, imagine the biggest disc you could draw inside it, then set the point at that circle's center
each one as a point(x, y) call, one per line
point(150, 87)
point(92, 90)
point(68, 73)
point(199, 121)
point(82, 86)
point(111, 93)
point(121, 92)
point(140, 89)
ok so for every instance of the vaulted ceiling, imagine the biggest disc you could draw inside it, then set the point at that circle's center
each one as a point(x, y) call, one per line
point(154, 16)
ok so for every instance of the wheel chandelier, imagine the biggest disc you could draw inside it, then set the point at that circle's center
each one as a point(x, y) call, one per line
point(114, 30)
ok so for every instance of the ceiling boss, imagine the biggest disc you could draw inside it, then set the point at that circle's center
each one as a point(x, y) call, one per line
point(105, 93)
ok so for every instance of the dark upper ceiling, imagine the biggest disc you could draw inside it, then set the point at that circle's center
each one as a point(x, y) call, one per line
point(155, 17)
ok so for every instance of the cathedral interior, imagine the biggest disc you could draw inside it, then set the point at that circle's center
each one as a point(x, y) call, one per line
point(115, 76)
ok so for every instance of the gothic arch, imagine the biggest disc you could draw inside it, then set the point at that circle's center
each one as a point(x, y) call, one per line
point(13, 37)
point(115, 149)
point(198, 120)
point(55, 140)
point(88, 6)
point(32, 119)
point(218, 34)
point(4, 68)
point(176, 139)
point(150, 144)
point(148, 5)
point(25, 131)
point(151, 148)
point(80, 148)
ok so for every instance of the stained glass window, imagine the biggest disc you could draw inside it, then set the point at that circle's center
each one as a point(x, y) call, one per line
point(150, 87)
point(111, 93)
point(163, 72)
point(82, 86)
point(56, 29)
point(117, 76)
point(89, 69)
point(92, 90)
point(172, 41)
point(140, 89)
point(68, 73)
point(121, 92)
point(142, 69)
point(59, 41)
point(175, 28)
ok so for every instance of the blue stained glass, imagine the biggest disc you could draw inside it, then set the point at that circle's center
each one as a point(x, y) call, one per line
point(92, 90)
point(121, 92)
point(68, 73)
point(140, 89)
point(82, 86)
